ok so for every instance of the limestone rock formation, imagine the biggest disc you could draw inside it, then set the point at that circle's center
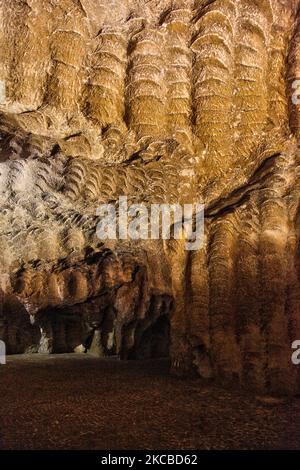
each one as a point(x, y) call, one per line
point(165, 101)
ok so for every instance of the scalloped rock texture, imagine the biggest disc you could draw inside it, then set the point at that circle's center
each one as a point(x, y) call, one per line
point(163, 101)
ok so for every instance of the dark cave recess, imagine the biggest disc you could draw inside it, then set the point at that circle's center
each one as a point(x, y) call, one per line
point(87, 328)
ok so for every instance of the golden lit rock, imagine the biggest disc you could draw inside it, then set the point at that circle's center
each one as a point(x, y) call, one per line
point(165, 102)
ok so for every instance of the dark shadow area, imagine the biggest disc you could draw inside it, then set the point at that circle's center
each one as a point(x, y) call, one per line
point(154, 342)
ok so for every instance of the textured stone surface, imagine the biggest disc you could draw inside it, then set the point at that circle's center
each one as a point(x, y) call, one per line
point(108, 404)
point(164, 101)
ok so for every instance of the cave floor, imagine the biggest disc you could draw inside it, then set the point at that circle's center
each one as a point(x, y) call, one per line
point(82, 402)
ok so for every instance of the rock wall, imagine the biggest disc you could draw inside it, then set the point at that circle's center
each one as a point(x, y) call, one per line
point(165, 101)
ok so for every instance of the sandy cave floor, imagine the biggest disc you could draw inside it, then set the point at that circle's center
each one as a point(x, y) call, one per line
point(82, 402)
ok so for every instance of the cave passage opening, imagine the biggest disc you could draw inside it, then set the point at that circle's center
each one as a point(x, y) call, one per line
point(64, 332)
point(91, 329)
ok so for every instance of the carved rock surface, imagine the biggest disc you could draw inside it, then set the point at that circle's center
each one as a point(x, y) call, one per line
point(165, 101)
